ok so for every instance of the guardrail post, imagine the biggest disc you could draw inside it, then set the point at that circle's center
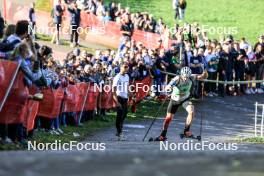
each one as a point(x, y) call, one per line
point(256, 118)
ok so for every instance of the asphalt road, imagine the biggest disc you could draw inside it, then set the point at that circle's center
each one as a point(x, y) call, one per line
point(224, 121)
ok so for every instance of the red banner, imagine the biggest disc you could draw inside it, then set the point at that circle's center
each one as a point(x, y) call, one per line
point(82, 90)
point(15, 106)
point(91, 101)
point(71, 99)
point(50, 106)
point(107, 101)
point(18, 109)
point(109, 33)
point(30, 115)
point(7, 72)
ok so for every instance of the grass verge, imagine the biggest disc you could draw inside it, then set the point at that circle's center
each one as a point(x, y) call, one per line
point(219, 16)
point(252, 140)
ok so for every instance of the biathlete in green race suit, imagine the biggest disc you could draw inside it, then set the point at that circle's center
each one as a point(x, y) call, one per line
point(180, 86)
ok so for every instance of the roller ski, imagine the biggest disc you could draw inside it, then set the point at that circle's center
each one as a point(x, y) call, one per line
point(157, 139)
point(189, 135)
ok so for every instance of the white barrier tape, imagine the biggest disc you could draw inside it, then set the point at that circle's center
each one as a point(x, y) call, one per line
point(233, 82)
point(221, 82)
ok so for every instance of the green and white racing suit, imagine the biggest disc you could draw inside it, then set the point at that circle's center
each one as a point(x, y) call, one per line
point(181, 92)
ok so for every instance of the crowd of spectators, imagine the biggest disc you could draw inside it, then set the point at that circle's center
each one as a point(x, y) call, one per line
point(115, 12)
point(226, 60)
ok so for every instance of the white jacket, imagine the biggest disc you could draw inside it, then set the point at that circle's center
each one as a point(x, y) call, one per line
point(175, 4)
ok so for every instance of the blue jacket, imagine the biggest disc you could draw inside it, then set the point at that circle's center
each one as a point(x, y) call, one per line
point(29, 75)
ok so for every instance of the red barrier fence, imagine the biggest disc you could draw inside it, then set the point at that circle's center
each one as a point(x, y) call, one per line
point(30, 115)
point(82, 88)
point(107, 100)
point(14, 108)
point(107, 34)
point(19, 109)
point(92, 98)
point(71, 99)
point(50, 106)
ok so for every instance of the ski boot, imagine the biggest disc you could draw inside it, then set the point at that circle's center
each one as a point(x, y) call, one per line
point(189, 135)
point(159, 138)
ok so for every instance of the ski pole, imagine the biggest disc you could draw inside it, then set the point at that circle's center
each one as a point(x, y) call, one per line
point(155, 117)
point(201, 126)
point(83, 105)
